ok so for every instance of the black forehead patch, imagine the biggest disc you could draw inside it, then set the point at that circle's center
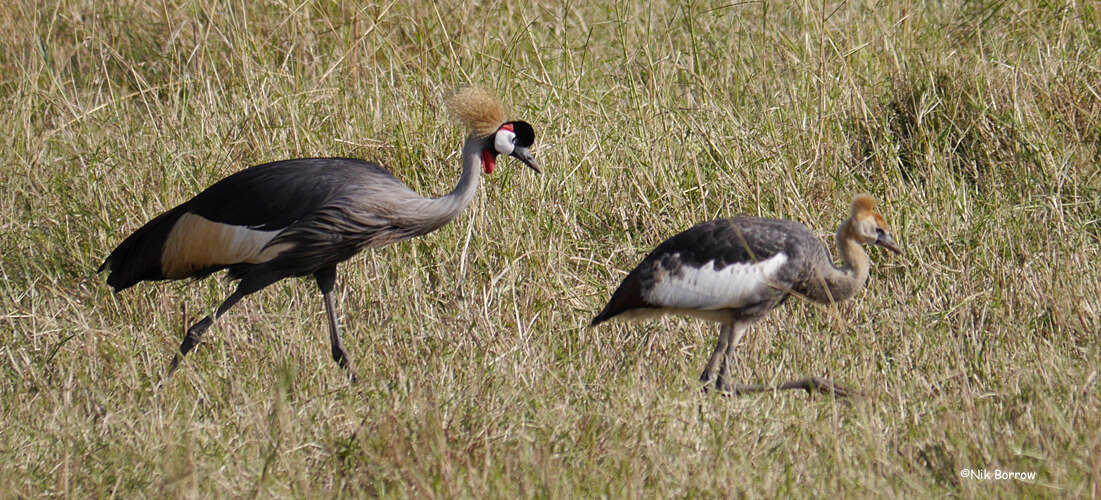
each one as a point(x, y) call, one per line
point(525, 134)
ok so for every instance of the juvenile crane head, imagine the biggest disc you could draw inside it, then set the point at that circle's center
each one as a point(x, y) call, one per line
point(484, 115)
point(868, 226)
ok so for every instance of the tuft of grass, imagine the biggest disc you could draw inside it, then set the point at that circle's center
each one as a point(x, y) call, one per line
point(932, 119)
point(975, 123)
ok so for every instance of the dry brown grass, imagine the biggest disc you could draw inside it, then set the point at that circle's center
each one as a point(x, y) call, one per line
point(975, 123)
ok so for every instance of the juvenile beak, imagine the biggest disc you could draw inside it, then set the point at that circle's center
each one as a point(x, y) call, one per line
point(884, 240)
point(521, 153)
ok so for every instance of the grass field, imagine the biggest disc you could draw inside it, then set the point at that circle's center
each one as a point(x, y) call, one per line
point(976, 124)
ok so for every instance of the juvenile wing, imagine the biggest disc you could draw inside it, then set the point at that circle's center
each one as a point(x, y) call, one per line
point(720, 264)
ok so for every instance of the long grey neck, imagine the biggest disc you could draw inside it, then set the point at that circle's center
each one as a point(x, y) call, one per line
point(841, 283)
point(435, 212)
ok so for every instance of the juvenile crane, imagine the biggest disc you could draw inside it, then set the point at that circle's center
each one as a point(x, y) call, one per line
point(734, 271)
point(304, 216)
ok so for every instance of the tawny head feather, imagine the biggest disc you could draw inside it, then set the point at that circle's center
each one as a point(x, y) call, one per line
point(868, 226)
point(862, 204)
point(864, 207)
point(478, 109)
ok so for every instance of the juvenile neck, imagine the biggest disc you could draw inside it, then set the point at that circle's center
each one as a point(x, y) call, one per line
point(841, 283)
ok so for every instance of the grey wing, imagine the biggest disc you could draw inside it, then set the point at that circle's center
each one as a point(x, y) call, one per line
point(356, 216)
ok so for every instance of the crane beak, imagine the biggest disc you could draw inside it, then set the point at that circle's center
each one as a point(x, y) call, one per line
point(521, 153)
point(886, 241)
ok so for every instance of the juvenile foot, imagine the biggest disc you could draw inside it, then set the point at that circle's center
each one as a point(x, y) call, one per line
point(809, 384)
point(818, 384)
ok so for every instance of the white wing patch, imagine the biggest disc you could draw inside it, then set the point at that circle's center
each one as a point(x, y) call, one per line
point(196, 242)
point(706, 288)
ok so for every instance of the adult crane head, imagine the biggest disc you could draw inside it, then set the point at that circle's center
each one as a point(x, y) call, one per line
point(484, 115)
point(513, 139)
point(868, 226)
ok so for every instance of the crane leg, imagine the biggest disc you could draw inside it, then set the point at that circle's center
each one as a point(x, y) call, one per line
point(717, 355)
point(810, 384)
point(723, 383)
point(195, 333)
point(326, 281)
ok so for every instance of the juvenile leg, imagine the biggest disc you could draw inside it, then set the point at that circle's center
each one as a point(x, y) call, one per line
point(717, 356)
point(195, 333)
point(724, 384)
point(326, 281)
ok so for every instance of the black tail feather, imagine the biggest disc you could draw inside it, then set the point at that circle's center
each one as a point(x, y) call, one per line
point(138, 257)
point(628, 296)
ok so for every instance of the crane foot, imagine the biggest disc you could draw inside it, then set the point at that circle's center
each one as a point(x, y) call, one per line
point(819, 384)
point(707, 379)
point(172, 365)
point(344, 361)
point(809, 384)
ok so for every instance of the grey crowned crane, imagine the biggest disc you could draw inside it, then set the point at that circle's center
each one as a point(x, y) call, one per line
point(734, 271)
point(302, 217)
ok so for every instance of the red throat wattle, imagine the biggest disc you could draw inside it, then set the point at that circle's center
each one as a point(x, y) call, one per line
point(488, 161)
point(489, 158)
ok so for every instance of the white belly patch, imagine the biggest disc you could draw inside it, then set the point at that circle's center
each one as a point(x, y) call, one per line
point(706, 288)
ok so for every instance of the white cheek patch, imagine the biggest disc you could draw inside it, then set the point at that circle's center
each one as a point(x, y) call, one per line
point(870, 231)
point(706, 288)
point(505, 141)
